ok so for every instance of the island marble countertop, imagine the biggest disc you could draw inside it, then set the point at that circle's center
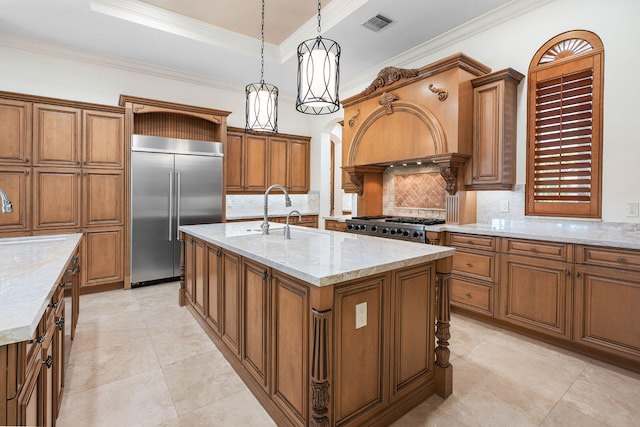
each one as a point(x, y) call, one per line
point(29, 271)
point(616, 235)
point(319, 257)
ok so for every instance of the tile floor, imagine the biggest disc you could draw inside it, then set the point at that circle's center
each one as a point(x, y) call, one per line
point(140, 360)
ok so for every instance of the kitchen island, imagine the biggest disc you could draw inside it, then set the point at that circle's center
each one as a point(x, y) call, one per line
point(326, 328)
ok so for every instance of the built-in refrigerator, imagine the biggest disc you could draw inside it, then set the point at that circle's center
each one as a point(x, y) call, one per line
point(173, 182)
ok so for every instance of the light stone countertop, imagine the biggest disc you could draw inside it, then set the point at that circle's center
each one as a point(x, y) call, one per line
point(339, 218)
point(616, 235)
point(29, 271)
point(318, 257)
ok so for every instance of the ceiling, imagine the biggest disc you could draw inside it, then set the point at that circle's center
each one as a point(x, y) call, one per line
point(219, 44)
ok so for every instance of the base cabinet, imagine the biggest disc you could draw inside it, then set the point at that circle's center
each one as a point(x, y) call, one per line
point(102, 261)
point(300, 348)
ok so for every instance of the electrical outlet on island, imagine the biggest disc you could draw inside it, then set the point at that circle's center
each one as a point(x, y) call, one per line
point(632, 209)
point(361, 315)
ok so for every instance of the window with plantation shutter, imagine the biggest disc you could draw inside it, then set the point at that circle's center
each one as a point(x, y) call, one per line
point(564, 137)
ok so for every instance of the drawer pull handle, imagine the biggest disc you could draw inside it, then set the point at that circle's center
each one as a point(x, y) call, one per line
point(48, 361)
point(38, 340)
point(65, 284)
point(469, 264)
point(53, 305)
point(468, 295)
point(60, 323)
point(621, 259)
point(577, 274)
point(219, 252)
point(567, 272)
point(470, 242)
point(534, 250)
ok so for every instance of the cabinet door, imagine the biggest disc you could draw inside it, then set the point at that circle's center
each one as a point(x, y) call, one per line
point(56, 199)
point(15, 132)
point(16, 182)
point(58, 357)
point(230, 296)
point(56, 135)
point(234, 160)
point(103, 197)
point(46, 377)
point(30, 398)
point(103, 139)
point(412, 303)
point(537, 294)
point(278, 162)
point(214, 284)
point(199, 277)
point(255, 325)
point(256, 166)
point(290, 376)
point(102, 260)
point(189, 266)
point(298, 166)
point(487, 138)
point(606, 310)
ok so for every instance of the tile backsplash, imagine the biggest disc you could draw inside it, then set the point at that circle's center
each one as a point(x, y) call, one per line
point(414, 191)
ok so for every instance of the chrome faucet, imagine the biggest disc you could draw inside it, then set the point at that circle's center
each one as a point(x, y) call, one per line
point(6, 203)
point(265, 221)
point(287, 229)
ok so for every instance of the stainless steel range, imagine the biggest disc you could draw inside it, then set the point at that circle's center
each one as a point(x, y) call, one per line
point(392, 227)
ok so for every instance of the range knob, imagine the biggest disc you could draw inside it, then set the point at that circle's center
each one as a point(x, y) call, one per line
point(405, 233)
point(385, 230)
point(393, 231)
point(358, 227)
point(374, 228)
point(398, 231)
point(350, 227)
point(416, 234)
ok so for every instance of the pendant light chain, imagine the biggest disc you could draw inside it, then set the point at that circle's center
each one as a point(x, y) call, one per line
point(262, 46)
point(319, 31)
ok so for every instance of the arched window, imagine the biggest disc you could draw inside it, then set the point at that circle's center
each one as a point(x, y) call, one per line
point(564, 127)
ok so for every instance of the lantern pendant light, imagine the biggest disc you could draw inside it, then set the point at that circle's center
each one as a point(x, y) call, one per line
point(262, 98)
point(318, 75)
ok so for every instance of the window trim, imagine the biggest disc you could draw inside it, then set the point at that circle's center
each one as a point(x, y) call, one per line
point(566, 62)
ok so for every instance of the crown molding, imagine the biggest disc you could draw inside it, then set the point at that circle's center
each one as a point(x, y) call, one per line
point(476, 26)
point(180, 25)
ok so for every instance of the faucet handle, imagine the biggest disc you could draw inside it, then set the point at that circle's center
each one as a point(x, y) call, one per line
point(287, 229)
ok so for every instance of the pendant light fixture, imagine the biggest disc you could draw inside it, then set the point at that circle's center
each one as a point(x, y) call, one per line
point(262, 98)
point(318, 75)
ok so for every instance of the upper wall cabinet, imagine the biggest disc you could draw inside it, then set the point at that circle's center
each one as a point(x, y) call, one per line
point(56, 135)
point(15, 132)
point(493, 161)
point(103, 137)
point(254, 162)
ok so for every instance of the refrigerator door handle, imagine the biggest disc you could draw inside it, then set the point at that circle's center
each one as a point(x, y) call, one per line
point(170, 204)
point(178, 175)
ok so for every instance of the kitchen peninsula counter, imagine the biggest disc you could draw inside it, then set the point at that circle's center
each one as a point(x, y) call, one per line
point(30, 268)
point(326, 328)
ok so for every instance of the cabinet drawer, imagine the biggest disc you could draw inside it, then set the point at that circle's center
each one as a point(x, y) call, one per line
point(470, 295)
point(474, 264)
point(538, 249)
point(335, 225)
point(472, 241)
point(608, 257)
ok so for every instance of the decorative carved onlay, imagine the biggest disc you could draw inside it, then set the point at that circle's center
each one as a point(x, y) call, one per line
point(389, 75)
point(443, 333)
point(352, 120)
point(386, 99)
point(449, 166)
point(442, 93)
point(357, 179)
point(320, 369)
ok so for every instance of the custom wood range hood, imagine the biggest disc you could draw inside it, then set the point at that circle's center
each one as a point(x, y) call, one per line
point(409, 116)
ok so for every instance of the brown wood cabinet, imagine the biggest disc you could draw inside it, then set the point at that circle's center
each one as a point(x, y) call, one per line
point(254, 162)
point(16, 182)
point(103, 139)
point(475, 273)
point(298, 348)
point(103, 200)
point(56, 135)
point(493, 162)
point(256, 312)
point(333, 225)
point(56, 198)
point(607, 297)
point(102, 256)
point(15, 132)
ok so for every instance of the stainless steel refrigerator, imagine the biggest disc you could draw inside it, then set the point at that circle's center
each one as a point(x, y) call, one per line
point(173, 182)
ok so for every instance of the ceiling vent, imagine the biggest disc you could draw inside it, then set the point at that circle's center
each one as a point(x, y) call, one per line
point(377, 23)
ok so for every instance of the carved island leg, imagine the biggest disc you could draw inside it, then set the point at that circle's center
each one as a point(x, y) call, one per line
point(181, 297)
point(443, 369)
point(321, 391)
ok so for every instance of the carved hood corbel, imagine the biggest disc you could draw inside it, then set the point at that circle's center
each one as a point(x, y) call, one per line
point(357, 175)
point(450, 165)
